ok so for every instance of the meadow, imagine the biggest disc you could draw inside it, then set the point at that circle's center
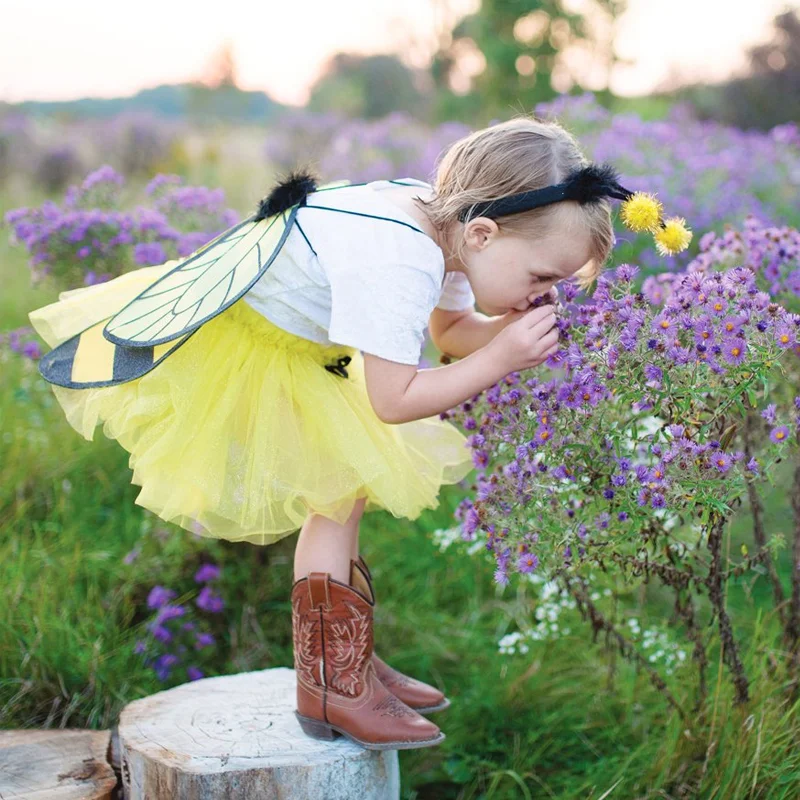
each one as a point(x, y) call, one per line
point(544, 705)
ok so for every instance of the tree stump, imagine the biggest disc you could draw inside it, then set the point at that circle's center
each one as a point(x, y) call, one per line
point(57, 764)
point(236, 736)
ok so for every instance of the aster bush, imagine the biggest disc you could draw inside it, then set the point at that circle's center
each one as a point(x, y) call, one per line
point(90, 237)
point(593, 468)
point(772, 253)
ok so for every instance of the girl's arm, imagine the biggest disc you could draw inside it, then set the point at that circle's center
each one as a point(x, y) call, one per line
point(402, 392)
point(468, 333)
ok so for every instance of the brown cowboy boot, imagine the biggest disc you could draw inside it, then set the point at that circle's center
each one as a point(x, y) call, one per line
point(338, 691)
point(422, 697)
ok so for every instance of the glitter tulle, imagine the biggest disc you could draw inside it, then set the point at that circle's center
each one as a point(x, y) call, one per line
point(241, 432)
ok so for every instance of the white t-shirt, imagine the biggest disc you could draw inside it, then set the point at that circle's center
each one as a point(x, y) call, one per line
point(369, 282)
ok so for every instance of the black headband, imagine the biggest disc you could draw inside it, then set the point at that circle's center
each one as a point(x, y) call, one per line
point(584, 184)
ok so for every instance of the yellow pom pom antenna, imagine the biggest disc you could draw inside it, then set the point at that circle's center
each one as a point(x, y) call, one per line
point(642, 212)
point(673, 237)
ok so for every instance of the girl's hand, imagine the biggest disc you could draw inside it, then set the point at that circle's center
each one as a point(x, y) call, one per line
point(529, 340)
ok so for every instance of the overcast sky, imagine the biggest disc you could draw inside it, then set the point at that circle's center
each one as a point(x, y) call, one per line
point(54, 50)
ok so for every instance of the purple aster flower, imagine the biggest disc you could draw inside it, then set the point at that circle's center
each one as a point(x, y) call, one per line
point(527, 562)
point(769, 413)
point(470, 524)
point(718, 307)
point(752, 465)
point(203, 640)
point(734, 350)
point(722, 461)
point(501, 576)
point(784, 335)
point(159, 596)
point(657, 500)
point(626, 272)
point(654, 375)
point(170, 612)
point(207, 572)
point(161, 633)
point(663, 323)
point(480, 458)
point(779, 434)
point(544, 433)
point(149, 253)
point(194, 673)
point(209, 601)
point(163, 665)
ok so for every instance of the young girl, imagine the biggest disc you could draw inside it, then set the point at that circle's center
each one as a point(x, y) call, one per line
point(301, 404)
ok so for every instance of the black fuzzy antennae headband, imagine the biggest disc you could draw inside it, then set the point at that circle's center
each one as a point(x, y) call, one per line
point(584, 184)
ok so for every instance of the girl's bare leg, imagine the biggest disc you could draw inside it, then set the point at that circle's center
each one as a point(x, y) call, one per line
point(325, 546)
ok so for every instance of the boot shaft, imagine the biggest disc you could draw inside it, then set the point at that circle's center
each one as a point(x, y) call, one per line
point(332, 632)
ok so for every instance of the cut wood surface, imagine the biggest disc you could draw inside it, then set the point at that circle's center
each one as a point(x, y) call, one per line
point(57, 764)
point(236, 736)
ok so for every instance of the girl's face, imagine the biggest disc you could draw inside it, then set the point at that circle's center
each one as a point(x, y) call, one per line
point(509, 272)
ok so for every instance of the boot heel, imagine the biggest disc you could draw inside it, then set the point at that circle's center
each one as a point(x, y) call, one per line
point(316, 728)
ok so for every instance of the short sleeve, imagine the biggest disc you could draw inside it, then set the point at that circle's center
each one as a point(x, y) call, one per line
point(456, 293)
point(383, 310)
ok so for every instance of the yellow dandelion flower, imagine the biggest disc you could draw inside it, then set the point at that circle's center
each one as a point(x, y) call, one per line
point(641, 212)
point(673, 237)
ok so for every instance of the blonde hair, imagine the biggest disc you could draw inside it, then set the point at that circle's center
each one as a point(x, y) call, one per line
point(520, 155)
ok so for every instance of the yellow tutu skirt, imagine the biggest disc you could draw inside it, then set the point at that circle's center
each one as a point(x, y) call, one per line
point(241, 432)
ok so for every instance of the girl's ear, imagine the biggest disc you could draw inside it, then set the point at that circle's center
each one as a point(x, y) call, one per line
point(479, 231)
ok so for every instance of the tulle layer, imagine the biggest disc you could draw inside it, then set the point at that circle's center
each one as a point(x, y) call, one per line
point(241, 432)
